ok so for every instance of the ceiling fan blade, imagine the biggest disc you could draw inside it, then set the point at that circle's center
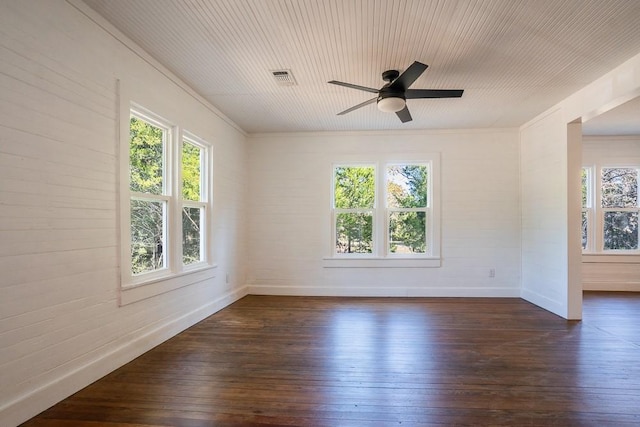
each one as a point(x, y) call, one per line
point(404, 115)
point(355, 107)
point(409, 76)
point(352, 86)
point(433, 93)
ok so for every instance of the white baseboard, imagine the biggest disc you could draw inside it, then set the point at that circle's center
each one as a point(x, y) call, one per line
point(47, 395)
point(611, 286)
point(541, 301)
point(383, 292)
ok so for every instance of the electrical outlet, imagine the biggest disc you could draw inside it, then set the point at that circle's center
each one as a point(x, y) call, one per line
point(492, 272)
point(226, 278)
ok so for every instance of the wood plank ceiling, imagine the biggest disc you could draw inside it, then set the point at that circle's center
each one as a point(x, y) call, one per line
point(514, 59)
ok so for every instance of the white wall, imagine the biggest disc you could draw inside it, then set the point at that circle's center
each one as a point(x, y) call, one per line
point(544, 212)
point(610, 272)
point(290, 222)
point(550, 160)
point(60, 324)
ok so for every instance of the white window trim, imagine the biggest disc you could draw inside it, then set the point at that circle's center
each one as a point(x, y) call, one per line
point(595, 251)
point(138, 287)
point(381, 257)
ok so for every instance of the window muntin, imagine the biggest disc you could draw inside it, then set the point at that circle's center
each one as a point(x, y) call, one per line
point(400, 227)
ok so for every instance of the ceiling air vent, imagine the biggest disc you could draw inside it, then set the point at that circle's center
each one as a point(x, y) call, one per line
point(283, 77)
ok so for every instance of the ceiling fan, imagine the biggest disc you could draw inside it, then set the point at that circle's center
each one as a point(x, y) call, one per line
point(391, 98)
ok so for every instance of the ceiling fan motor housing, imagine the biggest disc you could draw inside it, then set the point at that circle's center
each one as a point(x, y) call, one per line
point(390, 75)
point(390, 99)
point(387, 92)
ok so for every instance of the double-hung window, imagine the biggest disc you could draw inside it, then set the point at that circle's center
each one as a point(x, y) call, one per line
point(619, 193)
point(149, 192)
point(384, 213)
point(354, 199)
point(611, 209)
point(194, 199)
point(167, 202)
point(407, 209)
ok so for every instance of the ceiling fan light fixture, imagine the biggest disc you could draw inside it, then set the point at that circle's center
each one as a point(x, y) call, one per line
point(391, 104)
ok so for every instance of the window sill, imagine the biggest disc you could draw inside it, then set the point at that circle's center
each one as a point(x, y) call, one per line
point(379, 262)
point(632, 258)
point(136, 292)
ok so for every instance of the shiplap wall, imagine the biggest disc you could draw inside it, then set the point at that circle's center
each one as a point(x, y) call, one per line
point(290, 228)
point(60, 324)
point(551, 275)
point(611, 273)
point(544, 213)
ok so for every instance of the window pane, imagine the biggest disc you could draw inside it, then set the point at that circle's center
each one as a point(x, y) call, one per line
point(407, 186)
point(621, 230)
point(407, 233)
point(354, 187)
point(619, 188)
point(191, 236)
point(147, 236)
point(584, 229)
point(146, 147)
point(354, 233)
point(191, 172)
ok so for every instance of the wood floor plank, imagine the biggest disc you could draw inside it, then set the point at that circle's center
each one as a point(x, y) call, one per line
point(320, 361)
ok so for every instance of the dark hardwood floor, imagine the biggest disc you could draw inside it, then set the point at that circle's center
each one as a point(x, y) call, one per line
point(379, 362)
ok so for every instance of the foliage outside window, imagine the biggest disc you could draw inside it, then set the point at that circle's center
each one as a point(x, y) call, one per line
point(399, 227)
point(168, 203)
point(613, 220)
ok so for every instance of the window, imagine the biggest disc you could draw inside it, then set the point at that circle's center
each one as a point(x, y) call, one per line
point(407, 208)
point(194, 204)
point(149, 193)
point(168, 201)
point(384, 213)
point(354, 203)
point(610, 224)
point(620, 208)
